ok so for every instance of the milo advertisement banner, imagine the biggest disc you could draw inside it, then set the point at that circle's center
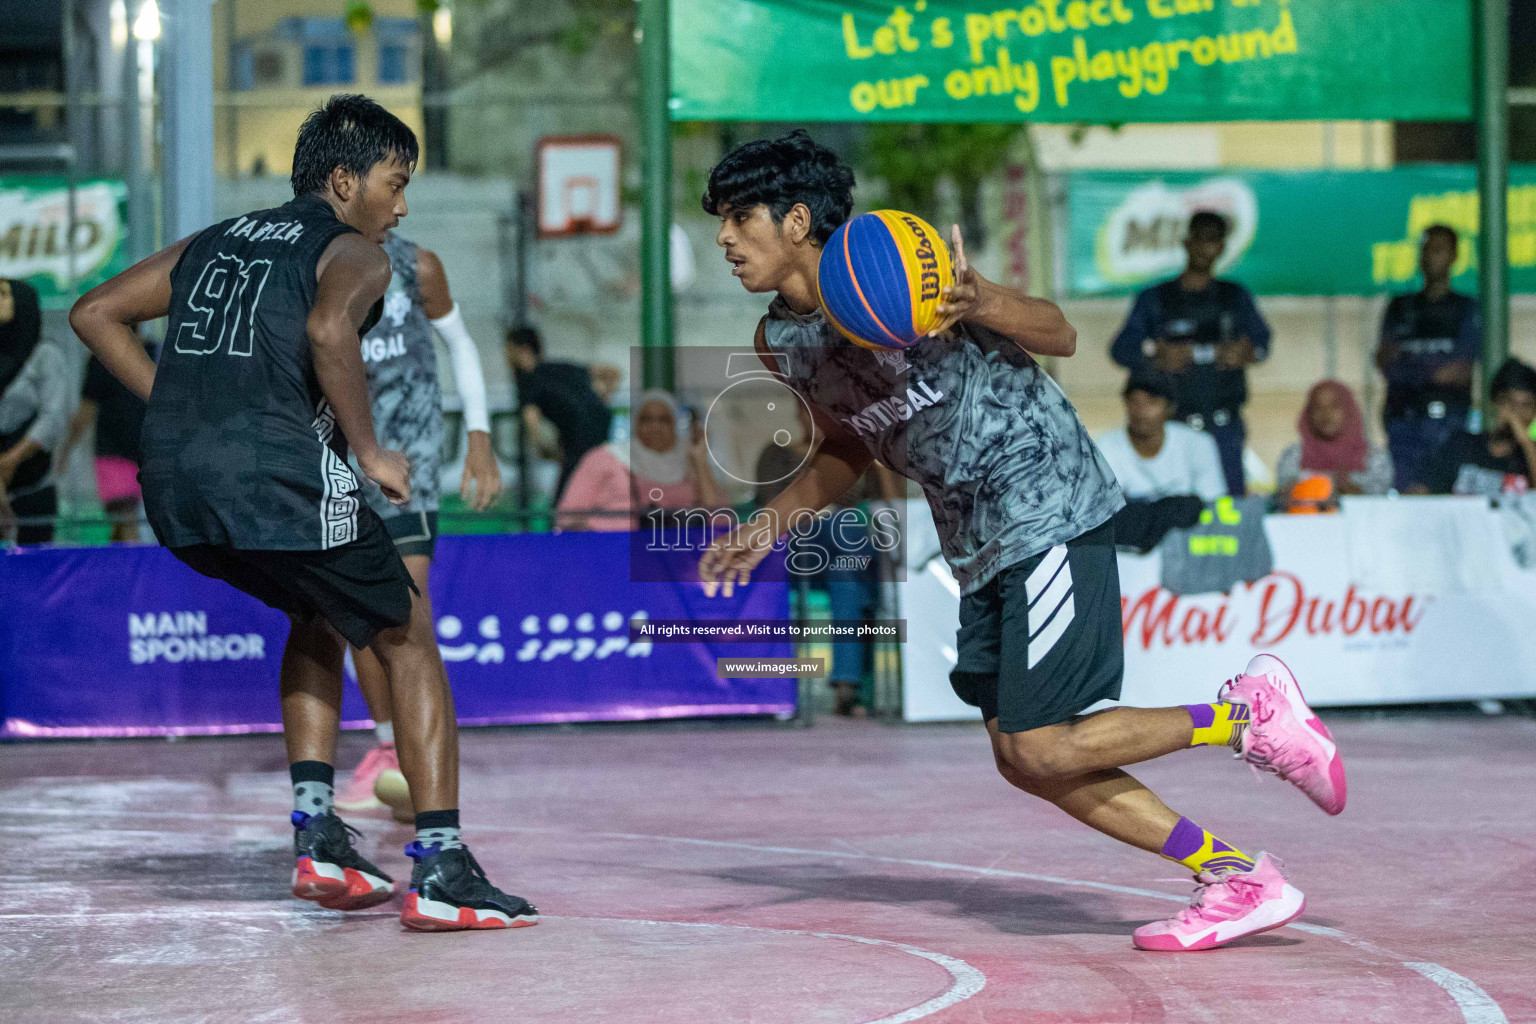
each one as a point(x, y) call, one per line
point(34, 233)
point(1293, 232)
point(1071, 60)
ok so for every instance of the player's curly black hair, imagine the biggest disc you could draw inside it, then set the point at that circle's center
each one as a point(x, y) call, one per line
point(350, 131)
point(780, 173)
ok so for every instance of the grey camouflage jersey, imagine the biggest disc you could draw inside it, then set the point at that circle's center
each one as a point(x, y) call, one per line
point(1007, 467)
point(402, 382)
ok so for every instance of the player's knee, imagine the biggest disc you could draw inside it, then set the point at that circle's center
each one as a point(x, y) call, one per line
point(1036, 756)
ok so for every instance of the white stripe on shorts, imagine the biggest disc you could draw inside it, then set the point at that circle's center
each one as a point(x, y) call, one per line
point(1044, 571)
point(1052, 605)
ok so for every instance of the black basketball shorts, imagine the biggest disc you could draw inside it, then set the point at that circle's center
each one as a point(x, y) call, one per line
point(1042, 641)
point(361, 588)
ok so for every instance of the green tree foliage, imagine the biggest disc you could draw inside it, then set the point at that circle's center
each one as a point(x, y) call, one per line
point(912, 158)
point(516, 26)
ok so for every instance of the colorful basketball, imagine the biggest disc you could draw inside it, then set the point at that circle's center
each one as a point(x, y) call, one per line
point(880, 278)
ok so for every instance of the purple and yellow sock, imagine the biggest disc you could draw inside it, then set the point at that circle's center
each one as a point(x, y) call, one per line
point(1198, 850)
point(1217, 725)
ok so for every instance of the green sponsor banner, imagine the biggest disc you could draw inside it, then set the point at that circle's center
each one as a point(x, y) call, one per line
point(1292, 232)
point(1071, 60)
point(34, 233)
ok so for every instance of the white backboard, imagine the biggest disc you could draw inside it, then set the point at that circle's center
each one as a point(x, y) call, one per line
point(579, 180)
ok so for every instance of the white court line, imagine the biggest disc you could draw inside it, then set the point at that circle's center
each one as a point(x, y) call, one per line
point(1476, 1005)
point(965, 980)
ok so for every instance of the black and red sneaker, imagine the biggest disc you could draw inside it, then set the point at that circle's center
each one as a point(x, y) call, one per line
point(328, 871)
point(449, 893)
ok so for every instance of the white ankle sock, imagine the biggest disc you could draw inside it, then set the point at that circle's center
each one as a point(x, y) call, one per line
point(385, 731)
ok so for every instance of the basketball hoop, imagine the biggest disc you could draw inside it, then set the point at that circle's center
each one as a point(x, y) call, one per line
point(579, 180)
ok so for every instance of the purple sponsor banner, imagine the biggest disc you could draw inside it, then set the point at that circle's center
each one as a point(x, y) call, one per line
point(126, 641)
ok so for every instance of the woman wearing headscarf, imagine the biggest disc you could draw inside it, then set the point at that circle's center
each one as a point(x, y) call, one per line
point(34, 412)
point(654, 469)
point(1333, 456)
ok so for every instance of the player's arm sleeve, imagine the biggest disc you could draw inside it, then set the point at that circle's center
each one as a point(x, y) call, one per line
point(1210, 479)
point(467, 373)
point(1251, 323)
point(1139, 326)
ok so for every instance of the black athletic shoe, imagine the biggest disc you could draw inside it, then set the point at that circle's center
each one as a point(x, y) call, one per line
point(449, 893)
point(328, 871)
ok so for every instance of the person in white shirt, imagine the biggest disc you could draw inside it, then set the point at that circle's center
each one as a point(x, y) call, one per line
point(1153, 458)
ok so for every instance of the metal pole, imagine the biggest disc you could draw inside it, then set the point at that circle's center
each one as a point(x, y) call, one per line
point(187, 169)
point(434, 87)
point(141, 216)
point(74, 121)
point(231, 110)
point(524, 245)
point(1492, 62)
point(656, 214)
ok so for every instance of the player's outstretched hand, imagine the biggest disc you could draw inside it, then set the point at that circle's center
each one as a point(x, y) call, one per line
point(481, 474)
point(391, 470)
point(962, 299)
point(729, 561)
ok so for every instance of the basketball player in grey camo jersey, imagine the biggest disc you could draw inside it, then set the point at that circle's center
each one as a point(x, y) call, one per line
point(401, 361)
point(1022, 500)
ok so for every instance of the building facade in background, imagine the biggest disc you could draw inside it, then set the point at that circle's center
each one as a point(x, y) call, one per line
point(276, 60)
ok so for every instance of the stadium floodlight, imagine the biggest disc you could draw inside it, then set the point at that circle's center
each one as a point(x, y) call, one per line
point(146, 27)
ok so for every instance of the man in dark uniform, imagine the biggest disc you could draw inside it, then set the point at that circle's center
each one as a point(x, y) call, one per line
point(1204, 333)
point(1429, 342)
point(259, 390)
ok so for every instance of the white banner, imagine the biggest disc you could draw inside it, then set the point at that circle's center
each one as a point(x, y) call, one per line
point(1436, 632)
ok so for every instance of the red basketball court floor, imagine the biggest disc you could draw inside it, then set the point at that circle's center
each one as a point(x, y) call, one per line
point(852, 873)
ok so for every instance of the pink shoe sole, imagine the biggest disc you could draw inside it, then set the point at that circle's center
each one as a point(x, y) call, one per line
point(1168, 944)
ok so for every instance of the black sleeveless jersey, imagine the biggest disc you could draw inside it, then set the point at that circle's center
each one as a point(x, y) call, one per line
point(240, 447)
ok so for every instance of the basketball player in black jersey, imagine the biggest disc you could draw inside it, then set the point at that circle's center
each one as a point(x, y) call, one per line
point(259, 392)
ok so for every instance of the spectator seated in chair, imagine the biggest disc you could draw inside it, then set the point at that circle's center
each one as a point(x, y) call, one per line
point(1153, 458)
point(1499, 461)
point(34, 414)
point(656, 468)
point(1332, 457)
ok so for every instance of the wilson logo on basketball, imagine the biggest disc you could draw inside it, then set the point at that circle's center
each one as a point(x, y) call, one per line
point(927, 259)
point(1269, 611)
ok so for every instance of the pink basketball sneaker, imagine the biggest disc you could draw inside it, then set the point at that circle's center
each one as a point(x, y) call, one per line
point(1226, 907)
point(358, 793)
point(1284, 736)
